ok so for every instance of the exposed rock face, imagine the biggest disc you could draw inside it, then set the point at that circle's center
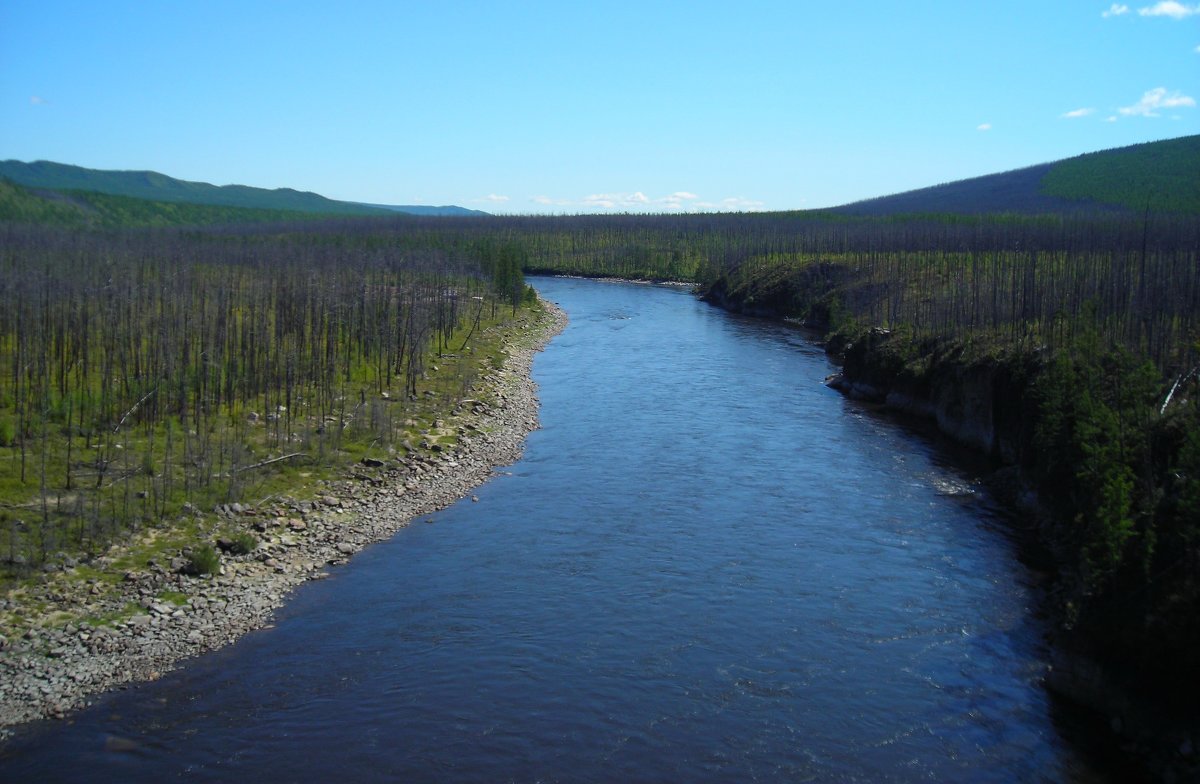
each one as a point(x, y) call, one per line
point(49, 672)
point(984, 403)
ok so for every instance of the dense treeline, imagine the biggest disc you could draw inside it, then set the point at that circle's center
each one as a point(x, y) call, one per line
point(1025, 280)
point(141, 371)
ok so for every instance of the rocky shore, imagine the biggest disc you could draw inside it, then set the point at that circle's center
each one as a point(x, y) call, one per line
point(165, 616)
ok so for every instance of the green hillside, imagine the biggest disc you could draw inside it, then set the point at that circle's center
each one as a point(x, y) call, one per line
point(79, 209)
point(1109, 182)
point(161, 188)
point(19, 205)
point(1164, 176)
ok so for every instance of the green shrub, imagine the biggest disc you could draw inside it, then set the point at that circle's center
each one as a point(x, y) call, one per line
point(202, 560)
point(243, 543)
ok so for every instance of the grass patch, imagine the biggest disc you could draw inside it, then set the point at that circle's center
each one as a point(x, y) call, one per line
point(177, 598)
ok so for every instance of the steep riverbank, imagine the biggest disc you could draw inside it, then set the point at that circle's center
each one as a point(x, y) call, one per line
point(55, 668)
point(1117, 653)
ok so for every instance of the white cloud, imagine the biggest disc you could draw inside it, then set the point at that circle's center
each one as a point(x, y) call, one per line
point(740, 203)
point(1197, 50)
point(627, 201)
point(638, 201)
point(604, 201)
point(37, 100)
point(984, 127)
point(1169, 8)
point(1116, 10)
point(1154, 100)
point(675, 200)
point(494, 198)
point(1074, 113)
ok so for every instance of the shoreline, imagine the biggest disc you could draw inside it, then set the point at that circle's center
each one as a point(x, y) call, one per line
point(57, 669)
point(986, 421)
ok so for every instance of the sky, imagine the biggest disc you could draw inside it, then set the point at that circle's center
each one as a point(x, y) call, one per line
point(573, 107)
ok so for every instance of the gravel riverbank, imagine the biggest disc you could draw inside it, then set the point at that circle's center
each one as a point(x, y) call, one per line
point(53, 669)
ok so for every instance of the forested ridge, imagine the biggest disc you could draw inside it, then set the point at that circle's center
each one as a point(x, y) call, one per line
point(150, 186)
point(153, 186)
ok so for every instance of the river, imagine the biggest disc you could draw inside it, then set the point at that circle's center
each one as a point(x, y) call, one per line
point(707, 567)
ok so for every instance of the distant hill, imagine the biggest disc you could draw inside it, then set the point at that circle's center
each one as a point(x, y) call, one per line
point(20, 204)
point(161, 188)
point(415, 209)
point(1164, 175)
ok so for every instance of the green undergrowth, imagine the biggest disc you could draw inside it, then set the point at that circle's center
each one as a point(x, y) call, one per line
point(155, 512)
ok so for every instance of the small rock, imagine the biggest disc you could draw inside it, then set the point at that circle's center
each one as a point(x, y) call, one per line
point(345, 548)
point(116, 743)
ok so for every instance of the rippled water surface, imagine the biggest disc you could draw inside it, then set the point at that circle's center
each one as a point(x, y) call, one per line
point(707, 567)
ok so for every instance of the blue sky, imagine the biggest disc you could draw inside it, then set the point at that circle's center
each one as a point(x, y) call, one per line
point(584, 107)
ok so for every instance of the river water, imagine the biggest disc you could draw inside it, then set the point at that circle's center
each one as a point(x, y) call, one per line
point(707, 567)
